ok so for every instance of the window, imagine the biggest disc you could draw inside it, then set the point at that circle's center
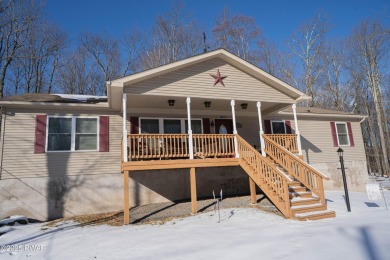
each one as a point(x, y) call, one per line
point(342, 134)
point(169, 126)
point(72, 134)
point(149, 126)
point(172, 126)
point(278, 127)
point(196, 126)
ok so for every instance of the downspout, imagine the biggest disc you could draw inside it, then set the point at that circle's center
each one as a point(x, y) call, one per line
point(3, 116)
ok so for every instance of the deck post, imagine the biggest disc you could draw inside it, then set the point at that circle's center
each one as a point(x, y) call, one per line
point(233, 103)
point(194, 208)
point(294, 107)
point(261, 132)
point(126, 204)
point(190, 141)
point(252, 187)
point(124, 110)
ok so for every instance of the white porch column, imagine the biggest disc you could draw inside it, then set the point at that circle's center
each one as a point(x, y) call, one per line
point(261, 132)
point(297, 130)
point(124, 110)
point(190, 143)
point(233, 103)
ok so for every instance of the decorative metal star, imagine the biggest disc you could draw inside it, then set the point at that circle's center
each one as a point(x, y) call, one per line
point(218, 78)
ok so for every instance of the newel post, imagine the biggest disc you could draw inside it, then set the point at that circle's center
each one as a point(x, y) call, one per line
point(297, 130)
point(261, 132)
point(233, 103)
point(190, 141)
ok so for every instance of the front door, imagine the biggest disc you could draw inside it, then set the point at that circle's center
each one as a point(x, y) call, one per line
point(223, 126)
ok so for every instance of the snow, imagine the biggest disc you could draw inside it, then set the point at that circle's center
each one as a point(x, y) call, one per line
point(80, 97)
point(242, 233)
point(13, 219)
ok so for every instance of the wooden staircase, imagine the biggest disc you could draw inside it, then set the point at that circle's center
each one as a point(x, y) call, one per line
point(291, 184)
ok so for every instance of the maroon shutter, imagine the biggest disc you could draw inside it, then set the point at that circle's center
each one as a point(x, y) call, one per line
point(288, 127)
point(351, 142)
point(40, 134)
point(206, 126)
point(104, 133)
point(134, 128)
point(334, 134)
point(267, 126)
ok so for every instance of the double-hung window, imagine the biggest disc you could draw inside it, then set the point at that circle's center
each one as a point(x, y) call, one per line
point(342, 133)
point(72, 134)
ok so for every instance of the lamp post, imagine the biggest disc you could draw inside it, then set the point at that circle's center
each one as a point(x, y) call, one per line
point(340, 153)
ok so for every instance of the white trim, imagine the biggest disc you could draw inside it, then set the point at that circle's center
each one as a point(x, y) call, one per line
point(299, 143)
point(124, 127)
point(190, 143)
point(261, 131)
point(233, 103)
point(337, 133)
point(73, 134)
point(278, 121)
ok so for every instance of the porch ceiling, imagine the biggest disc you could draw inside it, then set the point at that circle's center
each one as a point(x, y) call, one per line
point(159, 105)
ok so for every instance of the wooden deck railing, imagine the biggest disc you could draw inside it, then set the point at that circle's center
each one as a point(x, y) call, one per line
point(264, 173)
point(213, 145)
point(288, 141)
point(298, 168)
point(165, 146)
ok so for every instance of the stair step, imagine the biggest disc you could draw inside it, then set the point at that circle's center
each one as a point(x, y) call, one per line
point(294, 183)
point(297, 188)
point(315, 215)
point(308, 208)
point(304, 201)
point(302, 194)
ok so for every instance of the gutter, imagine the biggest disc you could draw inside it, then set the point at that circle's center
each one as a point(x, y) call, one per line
point(324, 115)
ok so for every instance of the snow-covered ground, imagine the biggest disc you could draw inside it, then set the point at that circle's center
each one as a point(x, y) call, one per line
point(363, 233)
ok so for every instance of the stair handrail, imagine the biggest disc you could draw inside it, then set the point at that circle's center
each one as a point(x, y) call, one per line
point(268, 173)
point(302, 171)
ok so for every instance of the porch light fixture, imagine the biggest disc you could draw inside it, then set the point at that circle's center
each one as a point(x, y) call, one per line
point(340, 153)
point(212, 123)
point(244, 105)
point(171, 102)
point(207, 104)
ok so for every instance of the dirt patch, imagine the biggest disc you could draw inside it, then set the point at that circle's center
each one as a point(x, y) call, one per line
point(160, 213)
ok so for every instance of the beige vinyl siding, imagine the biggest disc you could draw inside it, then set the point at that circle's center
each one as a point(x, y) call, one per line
point(195, 81)
point(20, 161)
point(317, 141)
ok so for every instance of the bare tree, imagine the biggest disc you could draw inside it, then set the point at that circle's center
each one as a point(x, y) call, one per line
point(334, 93)
point(77, 76)
point(370, 47)
point(306, 46)
point(174, 37)
point(131, 44)
point(104, 52)
point(238, 34)
point(37, 60)
point(16, 21)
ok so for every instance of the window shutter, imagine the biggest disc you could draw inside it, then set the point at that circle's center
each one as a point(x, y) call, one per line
point(40, 133)
point(334, 134)
point(288, 127)
point(104, 139)
point(134, 127)
point(206, 125)
point(351, 141)
point(267, 126)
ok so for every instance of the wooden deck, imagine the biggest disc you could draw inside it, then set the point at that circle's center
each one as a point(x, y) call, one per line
point(284, 177)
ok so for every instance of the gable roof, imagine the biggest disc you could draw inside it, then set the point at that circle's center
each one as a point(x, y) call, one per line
point(116, 86)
